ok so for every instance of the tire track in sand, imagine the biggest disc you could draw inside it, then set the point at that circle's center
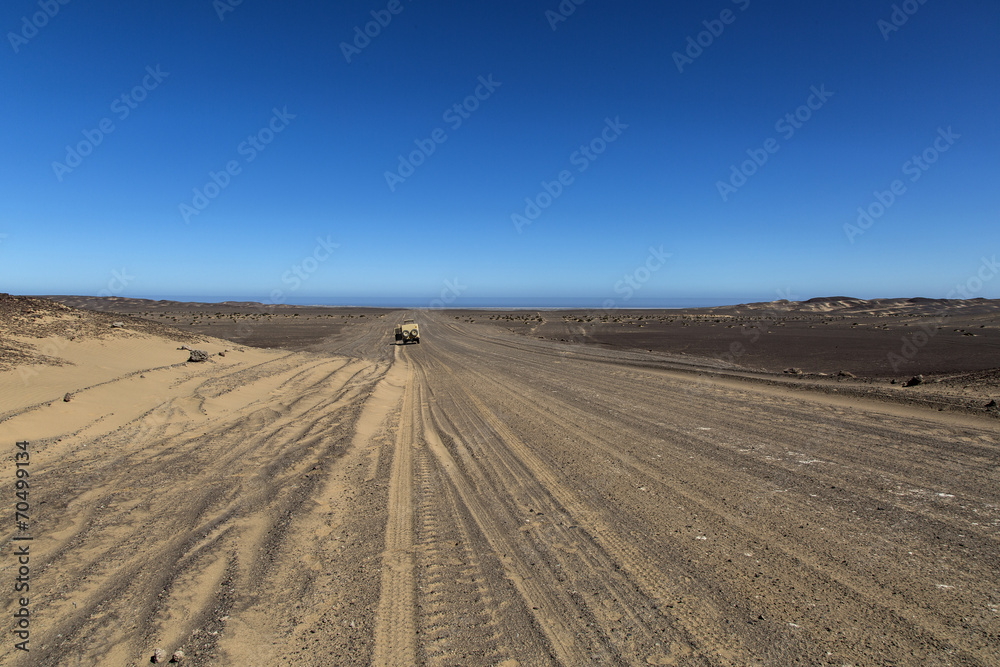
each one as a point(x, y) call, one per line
point(469, 611)
point(127, 564)
point(567, 633)
point(395, 624)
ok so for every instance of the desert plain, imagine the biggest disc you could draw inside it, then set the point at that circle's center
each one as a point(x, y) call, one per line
point(783, 483)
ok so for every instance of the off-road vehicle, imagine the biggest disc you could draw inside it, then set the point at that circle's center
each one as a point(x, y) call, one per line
point(408, 331)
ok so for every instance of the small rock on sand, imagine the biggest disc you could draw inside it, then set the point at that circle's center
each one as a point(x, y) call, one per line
point(117, 325)
point(992, 404)
point(178, 656)
point(68, 397)
point(845, 374)
point(793, 371)
point(914, 381)
point(198, 355)
point(159, 655)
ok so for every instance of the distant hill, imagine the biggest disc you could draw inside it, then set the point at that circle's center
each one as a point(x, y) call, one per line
point(127, 305)
point(845, 305)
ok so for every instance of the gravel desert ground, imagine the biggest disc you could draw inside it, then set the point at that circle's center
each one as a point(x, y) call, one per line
point(520, 488)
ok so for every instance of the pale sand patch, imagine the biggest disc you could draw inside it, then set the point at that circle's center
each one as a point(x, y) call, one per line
point(88, 362)
point(106, 383)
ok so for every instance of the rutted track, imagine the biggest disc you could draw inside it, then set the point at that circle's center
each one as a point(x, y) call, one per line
point(631, 515)
point(177, 528)
point(488, 499)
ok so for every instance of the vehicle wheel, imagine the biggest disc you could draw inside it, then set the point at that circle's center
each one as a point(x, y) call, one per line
point(417, 341)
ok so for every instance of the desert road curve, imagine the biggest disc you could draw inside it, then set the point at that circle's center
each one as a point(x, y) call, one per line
point(486, 498)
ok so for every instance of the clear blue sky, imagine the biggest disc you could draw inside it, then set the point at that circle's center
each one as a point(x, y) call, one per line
point(118, 212)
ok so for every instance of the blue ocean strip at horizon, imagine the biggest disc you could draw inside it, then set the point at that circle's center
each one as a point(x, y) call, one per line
point(470, 302)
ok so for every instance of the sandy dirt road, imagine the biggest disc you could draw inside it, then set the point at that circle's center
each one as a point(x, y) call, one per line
point(484, 498)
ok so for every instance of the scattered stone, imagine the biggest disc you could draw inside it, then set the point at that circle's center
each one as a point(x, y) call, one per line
point(793, 371)
point(222, 354)
point(184, 347)
point(892, 381)
point(198, 355)
point(143, 377)
point(68, 397)
point(117, 325)
point(914, 381)
point(159, 655)
point(178, 656)
point(845, 374)
point(992, 404)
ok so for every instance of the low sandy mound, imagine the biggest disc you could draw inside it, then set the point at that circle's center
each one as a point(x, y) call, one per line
point(50, 353)
point(34, 331)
